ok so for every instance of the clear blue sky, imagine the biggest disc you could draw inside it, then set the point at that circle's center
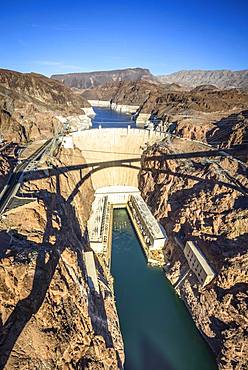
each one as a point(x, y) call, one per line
point(57, 36)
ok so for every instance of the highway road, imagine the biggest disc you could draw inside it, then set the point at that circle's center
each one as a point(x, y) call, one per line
point(14, 184)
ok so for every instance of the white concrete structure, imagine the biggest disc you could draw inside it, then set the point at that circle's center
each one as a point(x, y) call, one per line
point(113, 154)
point(198, 263)
point(117, 195)
point(91, 271)
point(67, 142)
point(96, 223)
point(153, 235)
point(100, 221)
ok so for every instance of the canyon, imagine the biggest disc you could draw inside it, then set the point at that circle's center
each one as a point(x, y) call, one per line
point(191, 170)
point(194, 200)
point(217, 117)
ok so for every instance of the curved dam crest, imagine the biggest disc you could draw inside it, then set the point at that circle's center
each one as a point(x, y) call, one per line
point(113, 154)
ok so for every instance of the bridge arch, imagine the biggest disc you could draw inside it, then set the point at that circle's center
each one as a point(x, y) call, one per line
point(113, 154)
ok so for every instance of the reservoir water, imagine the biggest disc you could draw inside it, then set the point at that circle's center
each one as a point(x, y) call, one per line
point(110, 118)
point(158, 332)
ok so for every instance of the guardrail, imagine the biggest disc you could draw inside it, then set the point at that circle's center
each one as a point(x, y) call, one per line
point(14, 182)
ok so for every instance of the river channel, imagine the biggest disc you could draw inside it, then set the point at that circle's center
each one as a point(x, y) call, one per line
point(157, 329)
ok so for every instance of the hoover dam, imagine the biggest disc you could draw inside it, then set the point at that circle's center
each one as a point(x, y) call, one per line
point(113, 155)
point(124, 185)
point(96, 185)
point(158, 331)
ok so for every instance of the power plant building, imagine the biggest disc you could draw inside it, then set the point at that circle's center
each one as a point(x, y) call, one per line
point(198, 263)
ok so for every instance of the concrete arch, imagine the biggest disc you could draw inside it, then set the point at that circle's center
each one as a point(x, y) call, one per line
point(115, 153)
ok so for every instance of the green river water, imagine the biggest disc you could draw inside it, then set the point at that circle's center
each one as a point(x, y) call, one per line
point(157, 329)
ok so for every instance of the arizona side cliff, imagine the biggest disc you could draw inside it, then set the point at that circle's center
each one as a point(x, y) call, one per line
point(204, 199)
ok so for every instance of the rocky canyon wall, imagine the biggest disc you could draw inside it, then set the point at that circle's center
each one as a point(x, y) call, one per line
point(203, 113)
point(50, 316)
point(204, 200)
point(31, 103)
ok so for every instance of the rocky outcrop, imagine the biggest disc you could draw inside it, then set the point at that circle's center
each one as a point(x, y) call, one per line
point(126, 92)
point(204, 199)
point(8, 160)
point(165, 101)
point(192, 114)
point(93, 79)
point(30, 104)
point(41, 90)
point(27, 122)
point(231, 131)
point(34, 107)
point(50, 316)
point(221, 78)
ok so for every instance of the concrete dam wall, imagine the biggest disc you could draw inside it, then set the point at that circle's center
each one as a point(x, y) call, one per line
point(113, 154)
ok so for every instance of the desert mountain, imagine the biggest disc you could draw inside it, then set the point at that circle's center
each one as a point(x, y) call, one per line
point(160, 98)
point(93, 79)
point(223, 79)
point(39, 89)
point(29, 104)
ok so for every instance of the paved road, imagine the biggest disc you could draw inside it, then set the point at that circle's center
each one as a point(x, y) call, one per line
point(13, 185)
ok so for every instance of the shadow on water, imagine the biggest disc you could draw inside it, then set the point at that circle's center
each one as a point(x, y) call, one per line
point(151, 357)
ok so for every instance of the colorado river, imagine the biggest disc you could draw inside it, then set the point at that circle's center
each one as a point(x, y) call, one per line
point(157, 330)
